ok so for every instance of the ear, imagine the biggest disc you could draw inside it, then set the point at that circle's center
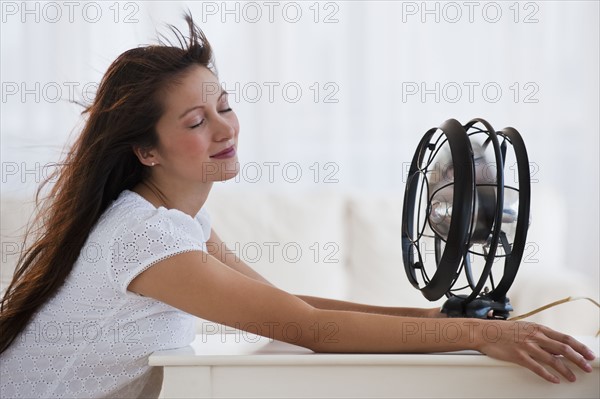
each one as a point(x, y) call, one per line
point(145, 155)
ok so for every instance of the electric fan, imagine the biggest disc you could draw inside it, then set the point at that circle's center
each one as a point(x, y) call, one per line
point(466, 212)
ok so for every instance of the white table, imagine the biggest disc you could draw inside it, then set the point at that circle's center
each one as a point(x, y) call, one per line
point(245, 365)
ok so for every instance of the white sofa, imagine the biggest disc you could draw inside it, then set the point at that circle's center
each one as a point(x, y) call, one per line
point(347, 246)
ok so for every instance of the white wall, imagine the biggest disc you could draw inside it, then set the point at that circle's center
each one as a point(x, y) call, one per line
point(365, 56)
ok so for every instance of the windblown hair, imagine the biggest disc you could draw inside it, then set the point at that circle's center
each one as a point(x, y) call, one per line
point(100, 164)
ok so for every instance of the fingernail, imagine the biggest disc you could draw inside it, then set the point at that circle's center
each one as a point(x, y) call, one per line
point(587, 367)
point(591, 354)
point(555, 379)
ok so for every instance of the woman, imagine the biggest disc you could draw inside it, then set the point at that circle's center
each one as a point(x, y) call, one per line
point(122, 262)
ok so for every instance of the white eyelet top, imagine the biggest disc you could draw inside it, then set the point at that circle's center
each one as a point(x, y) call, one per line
point(93, 338)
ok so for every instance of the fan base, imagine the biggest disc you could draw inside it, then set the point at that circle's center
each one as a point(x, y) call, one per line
point(479, 308)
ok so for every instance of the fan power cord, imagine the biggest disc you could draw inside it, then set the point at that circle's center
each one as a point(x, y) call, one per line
point(553, 304)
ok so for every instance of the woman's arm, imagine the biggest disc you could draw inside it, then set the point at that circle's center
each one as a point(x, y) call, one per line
point(334, 304)
point(199, 284)
point(217, 248)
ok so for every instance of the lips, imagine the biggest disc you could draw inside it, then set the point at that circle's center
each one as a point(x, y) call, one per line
point(226, 153)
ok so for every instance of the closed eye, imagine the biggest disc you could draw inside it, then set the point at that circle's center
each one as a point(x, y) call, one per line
point(197, 124)
point(202, 121)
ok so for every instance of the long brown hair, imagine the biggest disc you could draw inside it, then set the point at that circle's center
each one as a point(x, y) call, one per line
point(99, 165)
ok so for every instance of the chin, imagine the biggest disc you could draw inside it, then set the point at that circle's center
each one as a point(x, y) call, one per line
point(227, 176)
point(219, 171)
point(228, 170)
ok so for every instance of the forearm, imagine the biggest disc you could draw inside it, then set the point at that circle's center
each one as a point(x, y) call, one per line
point(358, 332)
point(333, 304)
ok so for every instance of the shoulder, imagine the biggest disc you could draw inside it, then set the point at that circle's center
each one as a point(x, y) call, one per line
point(131, 215)
point(205, 221)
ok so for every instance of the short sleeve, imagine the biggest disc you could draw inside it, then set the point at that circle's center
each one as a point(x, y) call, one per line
point(147, 237)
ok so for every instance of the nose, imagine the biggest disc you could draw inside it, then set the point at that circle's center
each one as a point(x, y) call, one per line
point(224, 129)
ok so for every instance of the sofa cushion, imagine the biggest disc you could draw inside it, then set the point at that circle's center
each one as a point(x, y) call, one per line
point(374, 259)
point(296, 241)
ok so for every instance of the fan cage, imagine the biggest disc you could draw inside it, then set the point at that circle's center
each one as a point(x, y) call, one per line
point(424, 229)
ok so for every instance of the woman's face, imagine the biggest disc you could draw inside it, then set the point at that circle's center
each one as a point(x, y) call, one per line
point(198, 131)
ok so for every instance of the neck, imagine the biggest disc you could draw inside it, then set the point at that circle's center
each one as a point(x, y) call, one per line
point(186, 198)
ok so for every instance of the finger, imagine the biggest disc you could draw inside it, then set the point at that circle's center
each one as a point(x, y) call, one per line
point(564, 349)
point(572, 343)
point(556, 362)
point(528, 362)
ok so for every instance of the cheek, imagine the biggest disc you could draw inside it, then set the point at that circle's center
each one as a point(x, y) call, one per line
point(192, 146)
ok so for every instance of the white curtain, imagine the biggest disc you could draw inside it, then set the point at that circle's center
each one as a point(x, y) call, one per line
point(373, 77)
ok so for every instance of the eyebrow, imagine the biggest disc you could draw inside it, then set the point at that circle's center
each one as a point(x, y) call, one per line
point(223, 92)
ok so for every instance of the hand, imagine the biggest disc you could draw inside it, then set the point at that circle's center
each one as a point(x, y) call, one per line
point(533, 346)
